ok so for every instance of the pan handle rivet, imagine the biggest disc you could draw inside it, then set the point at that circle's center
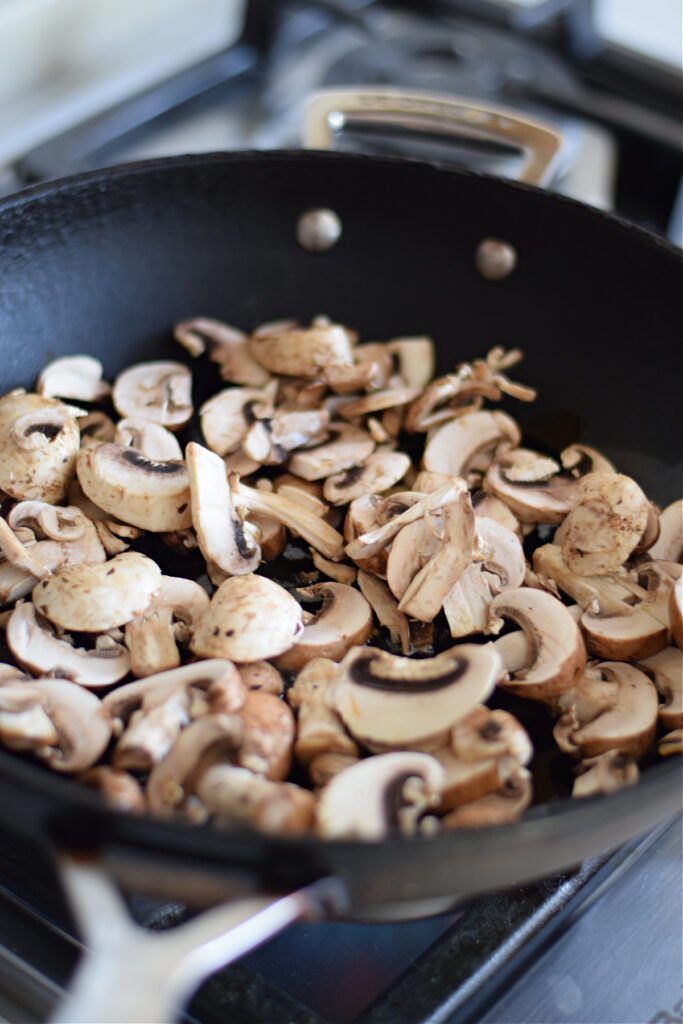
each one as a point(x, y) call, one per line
point(318, 230)
point(495, 259)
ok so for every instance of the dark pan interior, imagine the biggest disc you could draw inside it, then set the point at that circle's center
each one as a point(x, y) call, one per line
point(107, 262)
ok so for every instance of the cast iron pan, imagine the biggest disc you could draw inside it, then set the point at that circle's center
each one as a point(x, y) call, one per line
point(107, 262)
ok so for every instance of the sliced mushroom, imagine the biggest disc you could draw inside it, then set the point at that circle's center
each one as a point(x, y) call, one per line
point(344, 620)
point(605, 774)
point(249, 618)
point(499, 808)
point(415, 360)
point(159, 391)
point(378, 473)
point(78, 377)
point(301, 351)
point(427, 590)
point(270, 441)
point(226, 417)
point(531, 486)
point(669, 544)
point(312, 528)
point(225, 345)
point(392, 701)
point(41, 652)
point(96, 426)
point(150, 713)
point(207, 740)
point(557, 649)
point(385, 607)
point(323, 767)
point(152, 495)
point(119, 788)
point(379, 796)
point(268, 737)
point(616, 711)
point(170, 617)
point(221, 531)
point(377, 401)
point(454, 445)
point(350, 448)
point(236, 794)
point(95, 598)
point(605, 523)
point(80, 725)
point(40, 441)
point(338, 572)
point(466, 605)
point(151, 439)
point(666, 670)
point(319, 728)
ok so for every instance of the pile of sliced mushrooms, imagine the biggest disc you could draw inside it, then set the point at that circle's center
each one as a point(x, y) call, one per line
point(223, 696)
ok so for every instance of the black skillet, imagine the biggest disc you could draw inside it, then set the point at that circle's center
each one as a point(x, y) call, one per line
point(107, 262)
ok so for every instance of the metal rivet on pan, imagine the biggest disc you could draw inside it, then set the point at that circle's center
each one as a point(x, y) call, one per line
point(495, 259)
point(318, 230)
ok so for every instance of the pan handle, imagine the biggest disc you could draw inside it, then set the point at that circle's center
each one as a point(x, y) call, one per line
point(129, 974)
point(329, 110)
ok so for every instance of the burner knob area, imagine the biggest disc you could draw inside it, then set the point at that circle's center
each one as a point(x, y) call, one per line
point(318, 230)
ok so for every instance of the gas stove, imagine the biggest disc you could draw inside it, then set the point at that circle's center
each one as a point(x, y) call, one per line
point(568, 948)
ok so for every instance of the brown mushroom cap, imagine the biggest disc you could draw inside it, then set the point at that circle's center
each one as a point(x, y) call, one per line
point(558, 651)
point(666, 669)
point(249, 618)
point(95, 598)
point(395, 702)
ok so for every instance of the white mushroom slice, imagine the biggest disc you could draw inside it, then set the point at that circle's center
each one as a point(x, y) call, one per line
point(323, 767)
point(308, 493)
point(488, 506)
point(319, 727)
point(376, 352)
point(171, 780)
point(225, 345)
point(249, 618)
point(40, 440)
point(558, 652)
point(596, 718)
point(269, 441)
point(159, 391)
point(368, 544)
point(605, 523)
point(670, 744)
point(466, 605)
point(379, 796)
point(236, 794)
point(389, 398)
point(81, 726)
point(152, 495)
point(499, 808)
point(669, 544)
point(227, 416)
point(237, 462)
point(150, 713)
point(76, 535)
point(302, 352)
point(94, 598)
point(455, 444)
point(385, 607)
point(95, 427)
point(268, 737)
point(338, 572)
point(415, 360)
point(344, 620)
point(351, 448)
point(296, 517)
point(537, 499)
point(427, 590)
point(18, 555)
point(378, 473)
point(151, 439)
point(396, 702)
point(119, 788)
point(605, 774)
point(78, 377)
point(666, 669)
point(345, 379)
point(221, 532)
point(580, 459)
point(152, 637)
